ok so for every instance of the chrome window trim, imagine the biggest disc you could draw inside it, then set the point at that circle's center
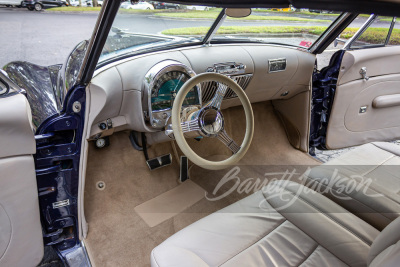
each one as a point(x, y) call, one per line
point(390, 31)
point(4, 90)
point(360, 31)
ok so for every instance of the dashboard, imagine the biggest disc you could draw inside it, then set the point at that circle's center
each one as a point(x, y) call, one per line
point(138, 93)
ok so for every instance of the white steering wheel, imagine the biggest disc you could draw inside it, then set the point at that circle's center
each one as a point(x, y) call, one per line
point(209, 121)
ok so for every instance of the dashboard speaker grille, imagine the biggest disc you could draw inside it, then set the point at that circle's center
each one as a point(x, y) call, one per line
point(208, 89)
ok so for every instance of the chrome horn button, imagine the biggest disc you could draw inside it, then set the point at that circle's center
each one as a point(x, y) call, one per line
point(211, 121)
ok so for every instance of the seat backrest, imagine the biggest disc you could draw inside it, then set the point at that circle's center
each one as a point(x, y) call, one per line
point(385, 250)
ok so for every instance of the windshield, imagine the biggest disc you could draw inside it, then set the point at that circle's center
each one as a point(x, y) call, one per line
point(154, 25)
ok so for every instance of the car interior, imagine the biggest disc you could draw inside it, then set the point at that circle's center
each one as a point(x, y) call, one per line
point(187, 213)
point(200, 156)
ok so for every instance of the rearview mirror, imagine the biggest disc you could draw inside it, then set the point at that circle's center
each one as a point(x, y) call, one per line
point(238, 12)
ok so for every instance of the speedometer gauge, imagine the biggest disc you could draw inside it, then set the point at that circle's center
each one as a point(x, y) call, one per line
point(166, 88)
point(161, 85)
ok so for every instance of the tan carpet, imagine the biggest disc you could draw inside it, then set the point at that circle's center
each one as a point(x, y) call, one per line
point(117, 234)
point(170, 203)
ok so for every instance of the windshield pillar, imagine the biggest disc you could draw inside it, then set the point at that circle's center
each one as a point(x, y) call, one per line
point(214, 28)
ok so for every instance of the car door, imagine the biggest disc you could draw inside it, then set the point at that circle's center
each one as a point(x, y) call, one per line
point(50, 3)
point(21, 241)
point(366, 99)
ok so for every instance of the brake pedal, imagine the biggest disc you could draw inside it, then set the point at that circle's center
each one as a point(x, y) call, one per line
point(159, 162)
point(184, 173)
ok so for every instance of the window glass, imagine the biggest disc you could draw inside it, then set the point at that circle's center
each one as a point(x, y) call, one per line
point(395, 37)
point(288, 26)
point(148, 26)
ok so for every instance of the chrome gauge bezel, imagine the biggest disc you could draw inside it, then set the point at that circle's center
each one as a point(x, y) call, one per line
point(159, 119)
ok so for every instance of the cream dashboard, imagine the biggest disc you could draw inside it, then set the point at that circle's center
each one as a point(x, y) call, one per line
point(138, 93)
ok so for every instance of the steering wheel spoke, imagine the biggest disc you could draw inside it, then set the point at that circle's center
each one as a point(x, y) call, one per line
point(216, 101)
point(190, 126)
point(228, 141)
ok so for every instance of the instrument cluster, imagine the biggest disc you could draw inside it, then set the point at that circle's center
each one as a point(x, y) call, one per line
point(161, 84)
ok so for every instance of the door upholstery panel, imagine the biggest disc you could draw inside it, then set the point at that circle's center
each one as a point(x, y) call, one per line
point(16, 130)
point(21, 242)
point(378, 61)
point(348, 126)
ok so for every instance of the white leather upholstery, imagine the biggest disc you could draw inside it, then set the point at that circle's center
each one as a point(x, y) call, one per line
point(385, 251)
point(285, 224)
point(365, 181)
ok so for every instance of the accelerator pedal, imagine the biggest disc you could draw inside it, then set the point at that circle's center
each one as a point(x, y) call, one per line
point(157, 162)
point(184, 174)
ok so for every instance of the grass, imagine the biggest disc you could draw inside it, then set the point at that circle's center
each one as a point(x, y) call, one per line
point(387, 19)
point(245, 29)
point(213, 15)
point(297, 12)
point(97, 9)
point(75, 9)
point(372, 36)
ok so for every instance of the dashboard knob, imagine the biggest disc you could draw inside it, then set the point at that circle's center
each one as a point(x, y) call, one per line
point(102, 126)
point(210, 69)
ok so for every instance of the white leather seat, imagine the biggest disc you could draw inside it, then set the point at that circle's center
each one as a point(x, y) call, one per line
point(365, 181)
point(285, 224)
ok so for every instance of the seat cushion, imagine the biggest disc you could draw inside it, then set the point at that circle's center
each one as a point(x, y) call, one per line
point(385, 251)
point(285, 224)
point(365, 181)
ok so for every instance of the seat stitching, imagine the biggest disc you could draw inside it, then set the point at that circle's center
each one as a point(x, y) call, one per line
point(309, 255)
point(308, 235)
point(252, 244)
point(154, 257)
point(365, 205)
point(377, 166)
point(395, 154)
point(326, 215)
point(371, 188)
point(315, 251)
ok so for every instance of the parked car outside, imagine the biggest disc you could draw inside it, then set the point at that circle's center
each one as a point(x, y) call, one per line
point(204, 8)
point(38, 5)
point(140, 5)
point(164, 5)
point(76, 3)
point(90, 3)
point(125, 4)
point(16, 3)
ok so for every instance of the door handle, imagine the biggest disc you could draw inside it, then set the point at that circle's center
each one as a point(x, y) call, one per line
point(363, 72)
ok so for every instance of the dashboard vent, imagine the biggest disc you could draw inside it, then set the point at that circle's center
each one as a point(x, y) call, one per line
point(208, 89)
